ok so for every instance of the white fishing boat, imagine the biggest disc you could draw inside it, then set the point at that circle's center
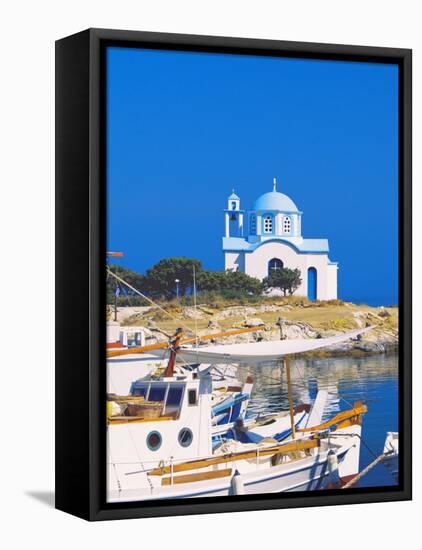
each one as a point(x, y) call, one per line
point(172, 453)
point(228, 403)
point(391, 452)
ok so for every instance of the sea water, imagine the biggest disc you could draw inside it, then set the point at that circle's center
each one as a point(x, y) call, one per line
point(372, 380)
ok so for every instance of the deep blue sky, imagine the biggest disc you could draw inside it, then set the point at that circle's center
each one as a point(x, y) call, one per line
point(186, 128)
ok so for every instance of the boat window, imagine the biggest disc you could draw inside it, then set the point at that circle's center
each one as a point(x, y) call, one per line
point(174, 398)
point(154, 440)
point(140, 389)
point(192, 397)
point(134, 339)
point(157, 392)
point(185, 437)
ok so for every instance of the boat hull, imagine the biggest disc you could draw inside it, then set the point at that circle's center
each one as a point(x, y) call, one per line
point(309, 474)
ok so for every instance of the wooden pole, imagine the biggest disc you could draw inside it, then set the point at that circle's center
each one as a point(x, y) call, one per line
point(175, 345)
point(289, 395)
point(115, 303)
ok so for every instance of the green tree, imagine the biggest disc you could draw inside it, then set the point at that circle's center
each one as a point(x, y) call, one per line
point(287, 280)
point(160, 278)
point(210, 281)
point(132, 277)
point(239, 281)
point(219, 281)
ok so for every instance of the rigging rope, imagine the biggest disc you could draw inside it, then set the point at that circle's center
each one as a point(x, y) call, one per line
point(149, 300)
point(359, 476)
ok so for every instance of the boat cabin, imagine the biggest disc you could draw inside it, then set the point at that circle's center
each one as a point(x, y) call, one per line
point(179, 430)
point(171, 394)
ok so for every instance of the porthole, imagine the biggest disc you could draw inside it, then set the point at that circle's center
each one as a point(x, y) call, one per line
point(154, 441)
point(185, 437)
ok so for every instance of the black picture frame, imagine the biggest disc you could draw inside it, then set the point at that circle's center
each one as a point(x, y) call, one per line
point(81, 256)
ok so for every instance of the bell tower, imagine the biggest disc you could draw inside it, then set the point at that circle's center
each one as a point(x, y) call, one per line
point(233, 216)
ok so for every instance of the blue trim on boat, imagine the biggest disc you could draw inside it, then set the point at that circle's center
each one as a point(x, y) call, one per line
point(282, 435)
point(222, 407)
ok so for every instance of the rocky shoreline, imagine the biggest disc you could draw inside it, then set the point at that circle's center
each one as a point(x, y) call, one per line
point(283, 319)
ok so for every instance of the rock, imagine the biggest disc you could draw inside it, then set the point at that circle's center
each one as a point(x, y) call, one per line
point(280, 323)
point(369, 347)
point(213, 324)
point(192, 313)
point(295, 331)
point(253, 322)
point(360, 318)
point(374, 316)
point(269, 336)
point(206, 310)
point(234, 311)
point(384, 312)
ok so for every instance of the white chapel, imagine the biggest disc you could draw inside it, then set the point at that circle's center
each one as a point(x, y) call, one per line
point(269, 236)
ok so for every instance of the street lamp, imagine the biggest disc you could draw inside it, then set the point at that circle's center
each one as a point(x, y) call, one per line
point(177, 281)
point(117, 289)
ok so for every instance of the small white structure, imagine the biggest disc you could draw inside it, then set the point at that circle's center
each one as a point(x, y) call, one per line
point(124, 336)
point(122, 371)
point(269, 237)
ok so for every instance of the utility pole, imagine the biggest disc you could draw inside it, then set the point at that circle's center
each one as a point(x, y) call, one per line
point(116, 290)
point(116, 294)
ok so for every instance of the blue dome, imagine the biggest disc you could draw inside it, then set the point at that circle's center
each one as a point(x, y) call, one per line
point(275, 201)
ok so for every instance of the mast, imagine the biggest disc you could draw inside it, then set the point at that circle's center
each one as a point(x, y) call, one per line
point(195, 306)
point(289, 395)
point(175, 345)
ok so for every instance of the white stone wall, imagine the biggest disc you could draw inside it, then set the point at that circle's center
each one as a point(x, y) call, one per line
point(256, 265)
point(258, 224)
point(332, 271)
point(234, 261)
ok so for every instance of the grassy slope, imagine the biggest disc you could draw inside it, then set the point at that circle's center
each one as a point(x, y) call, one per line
point(321, 315)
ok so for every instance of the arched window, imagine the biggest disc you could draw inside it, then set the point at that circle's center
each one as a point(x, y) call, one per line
point(287, 224)
point(252, 224)
point(268, 223)
point(274, 264)
point(234, 205)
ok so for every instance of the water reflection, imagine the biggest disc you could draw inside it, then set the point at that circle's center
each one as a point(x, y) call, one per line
point(373, 380)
